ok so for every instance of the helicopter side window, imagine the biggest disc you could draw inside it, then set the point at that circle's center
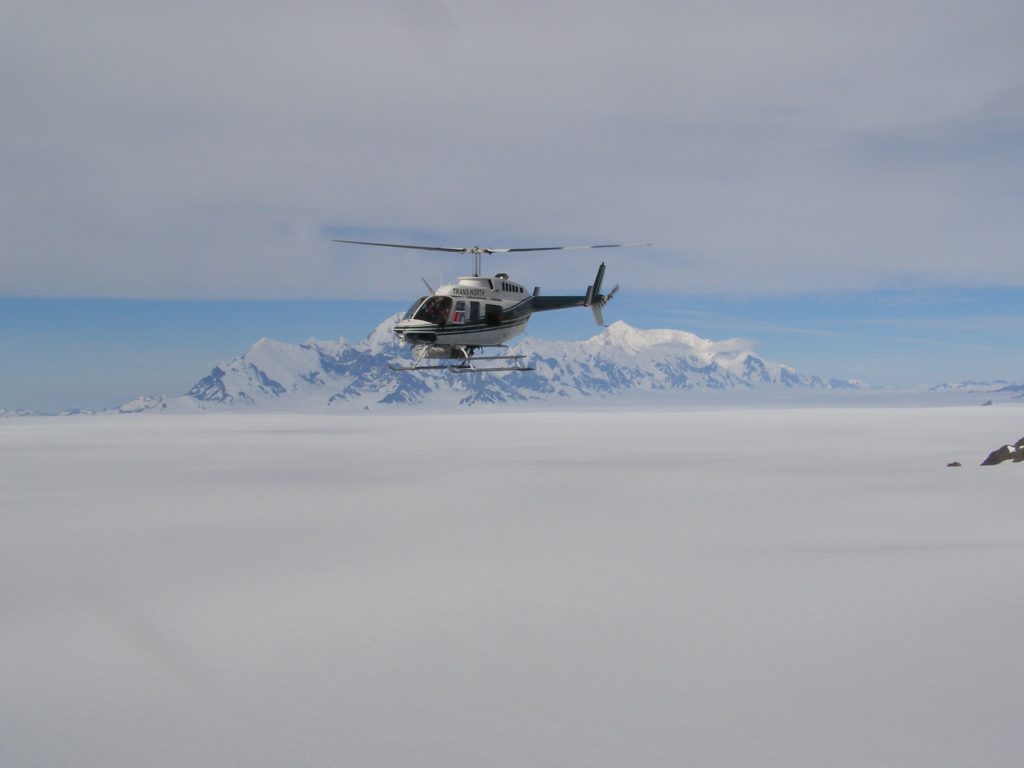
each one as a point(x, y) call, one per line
point(435, 309)
point(415, 305)
point(459, 316)
point(492, 314)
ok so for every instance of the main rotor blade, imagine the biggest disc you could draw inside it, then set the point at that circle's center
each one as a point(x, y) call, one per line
point(567, 247)
point(477, 249)
point(414, 247)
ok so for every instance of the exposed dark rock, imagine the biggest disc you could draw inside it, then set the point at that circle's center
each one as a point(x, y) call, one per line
point(1013, 453)
point(211, 388)
point(954, 464)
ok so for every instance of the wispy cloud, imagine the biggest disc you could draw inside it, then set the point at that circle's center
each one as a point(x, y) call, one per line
point(204, 150)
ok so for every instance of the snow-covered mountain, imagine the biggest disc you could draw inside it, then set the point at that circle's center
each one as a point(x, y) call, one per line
point(15, 412)
point(319, 375)
point(999, 386)
point(623, 358)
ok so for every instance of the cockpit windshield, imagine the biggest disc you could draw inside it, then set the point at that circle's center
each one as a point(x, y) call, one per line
point(436, 309)
point(415, 305)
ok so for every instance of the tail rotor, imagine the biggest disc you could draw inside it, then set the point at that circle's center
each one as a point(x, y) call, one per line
point(595, 299)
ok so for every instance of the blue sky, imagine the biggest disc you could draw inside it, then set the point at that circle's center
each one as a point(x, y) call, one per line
point(838, 181)
point(98, 353)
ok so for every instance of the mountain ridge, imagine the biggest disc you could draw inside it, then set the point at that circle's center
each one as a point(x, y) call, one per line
point(329, 375)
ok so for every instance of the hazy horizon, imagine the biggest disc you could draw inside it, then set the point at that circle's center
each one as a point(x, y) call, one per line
point(100, 353)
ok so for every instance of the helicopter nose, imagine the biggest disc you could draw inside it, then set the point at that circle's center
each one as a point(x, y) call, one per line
point(413, 333)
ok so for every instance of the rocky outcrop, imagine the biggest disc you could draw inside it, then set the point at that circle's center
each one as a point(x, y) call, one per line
point(1007, 452)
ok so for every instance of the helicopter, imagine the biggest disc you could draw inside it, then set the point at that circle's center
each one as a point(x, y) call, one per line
point(457, 321)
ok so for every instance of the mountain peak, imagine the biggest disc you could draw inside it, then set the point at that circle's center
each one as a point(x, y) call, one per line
point(621, 334)
point(265, 345)
point(382, 338)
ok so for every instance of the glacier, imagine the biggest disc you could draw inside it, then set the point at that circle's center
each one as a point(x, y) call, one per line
point(798, 587)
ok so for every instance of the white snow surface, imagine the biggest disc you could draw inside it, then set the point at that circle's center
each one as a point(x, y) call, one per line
point(745, 587)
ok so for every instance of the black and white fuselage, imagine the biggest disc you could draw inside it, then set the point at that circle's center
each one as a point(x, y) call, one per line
point(472, 312)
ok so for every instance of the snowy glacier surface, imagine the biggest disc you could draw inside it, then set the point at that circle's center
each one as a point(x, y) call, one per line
point(744, 587)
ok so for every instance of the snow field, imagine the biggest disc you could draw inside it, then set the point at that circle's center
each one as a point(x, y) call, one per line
point(770, 587)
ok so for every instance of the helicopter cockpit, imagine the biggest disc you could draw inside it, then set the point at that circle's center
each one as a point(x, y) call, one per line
point(432, 309)
point(413, 307)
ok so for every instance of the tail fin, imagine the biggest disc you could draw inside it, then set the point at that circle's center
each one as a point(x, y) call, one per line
point(595, 299)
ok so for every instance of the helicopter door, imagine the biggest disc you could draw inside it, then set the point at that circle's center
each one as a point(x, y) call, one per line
point(459, 316)
point(474, 311)
point(492, 314)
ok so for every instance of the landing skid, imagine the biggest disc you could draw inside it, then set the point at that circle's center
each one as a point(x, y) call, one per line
point(465, 364)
